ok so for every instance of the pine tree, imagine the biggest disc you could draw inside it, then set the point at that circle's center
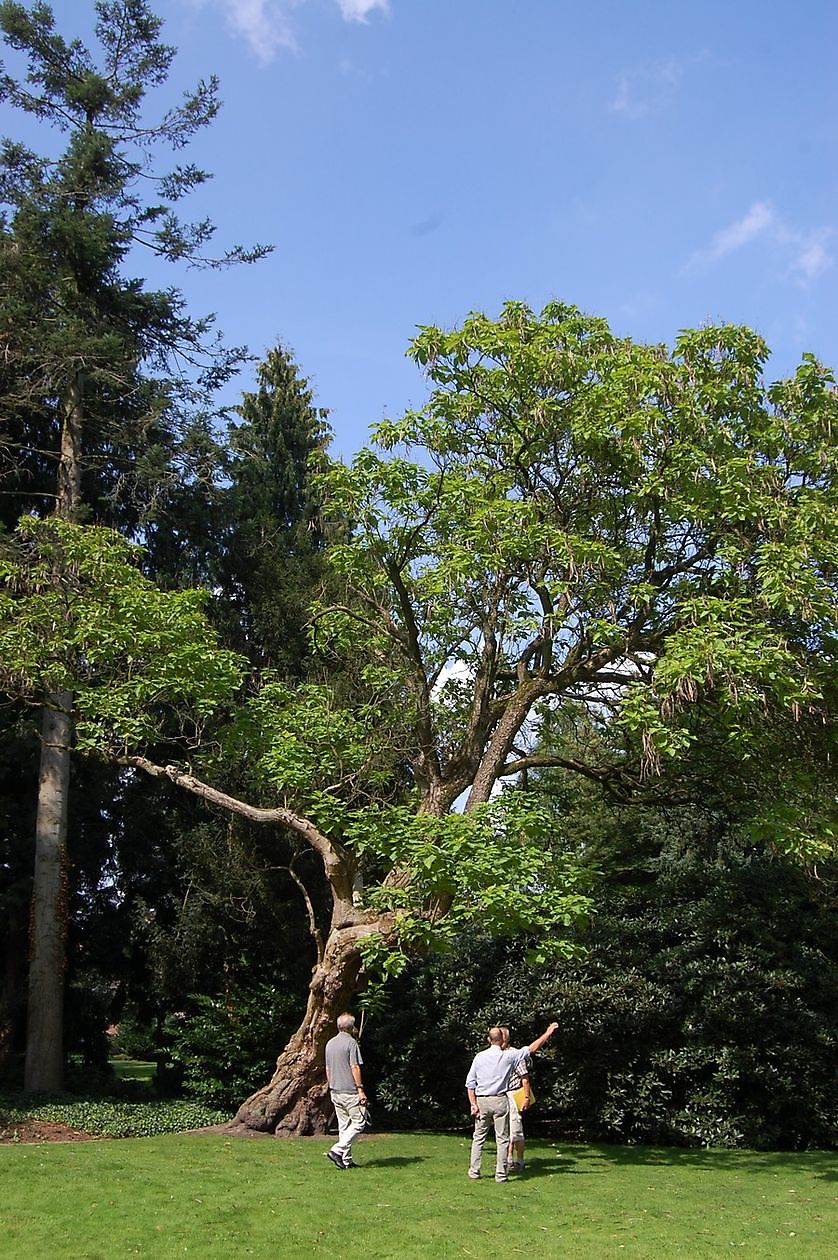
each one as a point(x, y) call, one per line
point(273, 540)
point(102, 377)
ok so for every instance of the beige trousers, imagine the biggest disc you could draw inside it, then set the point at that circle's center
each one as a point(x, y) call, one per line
point(350, 1121)
point(494, 1113)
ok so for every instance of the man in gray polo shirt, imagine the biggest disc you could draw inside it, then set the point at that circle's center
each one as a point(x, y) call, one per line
point(343, 1072)
point(486, 1084)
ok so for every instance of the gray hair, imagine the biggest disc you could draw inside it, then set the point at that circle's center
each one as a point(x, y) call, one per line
point(346, 1022)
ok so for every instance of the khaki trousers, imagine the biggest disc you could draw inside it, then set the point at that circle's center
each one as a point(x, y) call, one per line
point(494, 1113)
point(350, 1121)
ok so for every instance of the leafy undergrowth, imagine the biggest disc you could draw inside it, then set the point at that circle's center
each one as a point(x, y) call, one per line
point(113, 1118)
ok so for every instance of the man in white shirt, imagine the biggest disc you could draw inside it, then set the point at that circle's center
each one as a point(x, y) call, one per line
point(486, 1085)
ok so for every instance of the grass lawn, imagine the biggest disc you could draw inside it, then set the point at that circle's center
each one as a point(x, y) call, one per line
point(134, 1070)
point(209, 1196)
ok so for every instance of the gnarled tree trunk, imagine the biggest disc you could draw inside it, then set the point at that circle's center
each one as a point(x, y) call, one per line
point(295, 1102)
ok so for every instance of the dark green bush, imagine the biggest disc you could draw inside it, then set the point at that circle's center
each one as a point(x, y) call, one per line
point(702, 1014)
point(134, 1038)
point(226, 1046)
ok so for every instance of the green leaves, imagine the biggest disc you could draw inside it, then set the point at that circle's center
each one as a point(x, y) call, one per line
point(646, 532)
point(75, 324)
point(76, 614)
point(491, 868)
point(109, 1118)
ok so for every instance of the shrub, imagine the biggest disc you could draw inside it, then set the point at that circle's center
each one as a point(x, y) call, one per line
point(227, 1045)
point(134, 1038)
point(702, 1014)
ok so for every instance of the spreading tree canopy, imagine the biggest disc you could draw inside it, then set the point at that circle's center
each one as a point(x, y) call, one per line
point(574, 519)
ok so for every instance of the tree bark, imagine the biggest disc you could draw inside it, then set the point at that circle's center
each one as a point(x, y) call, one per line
point(295, 1102)
point(44, 1066)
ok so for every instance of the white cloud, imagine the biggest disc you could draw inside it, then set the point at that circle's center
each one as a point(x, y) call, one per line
point(359, 10)
point(262, 23)
point(266, 25)
point(758, 220)
point(801, 255)
point(812, 260)
point(645, 91)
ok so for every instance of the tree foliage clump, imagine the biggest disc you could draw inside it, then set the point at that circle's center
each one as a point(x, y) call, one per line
point(571, 520)
point(133, 656)
point(701, 1011)
point(106, 383)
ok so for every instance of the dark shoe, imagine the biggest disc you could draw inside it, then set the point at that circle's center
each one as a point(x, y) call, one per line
point(349, 1163)
point(337, 1160)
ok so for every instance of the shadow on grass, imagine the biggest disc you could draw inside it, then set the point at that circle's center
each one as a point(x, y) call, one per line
point(547, 1166)
point(820, 1164)
point(394, 1161)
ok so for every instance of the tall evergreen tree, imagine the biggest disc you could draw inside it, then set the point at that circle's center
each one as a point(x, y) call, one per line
point(274, 536)
point(257, 540)
point(107, 373)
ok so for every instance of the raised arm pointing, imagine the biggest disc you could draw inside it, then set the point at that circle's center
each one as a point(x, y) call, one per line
point(536, 1045)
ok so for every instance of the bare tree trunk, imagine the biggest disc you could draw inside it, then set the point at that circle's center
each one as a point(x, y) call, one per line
point(295, 1102)
point(44, 1068)
point(68, 497)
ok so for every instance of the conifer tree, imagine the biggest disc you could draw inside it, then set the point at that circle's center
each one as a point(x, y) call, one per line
point(106, 382)
point(271, 565)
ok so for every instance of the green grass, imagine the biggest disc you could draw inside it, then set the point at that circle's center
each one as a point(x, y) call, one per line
point(211, 1197)
point(134, 1070)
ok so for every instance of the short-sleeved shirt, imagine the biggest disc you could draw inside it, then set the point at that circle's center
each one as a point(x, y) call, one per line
point(519, 1075)
point(341, 1052)
point(491, 1069)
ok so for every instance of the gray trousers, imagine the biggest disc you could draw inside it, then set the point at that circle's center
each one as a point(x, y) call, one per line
point(350, 1121)
point(494, 1112)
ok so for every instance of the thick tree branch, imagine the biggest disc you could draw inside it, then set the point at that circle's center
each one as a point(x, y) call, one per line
point(333, 857)
point(411, 639)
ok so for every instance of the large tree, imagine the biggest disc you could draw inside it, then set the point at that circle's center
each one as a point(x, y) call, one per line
point(272, 564)
point(637, 531)
point(99, 373)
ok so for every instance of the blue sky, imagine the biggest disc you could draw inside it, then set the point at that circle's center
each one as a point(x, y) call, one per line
point(661, 164)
